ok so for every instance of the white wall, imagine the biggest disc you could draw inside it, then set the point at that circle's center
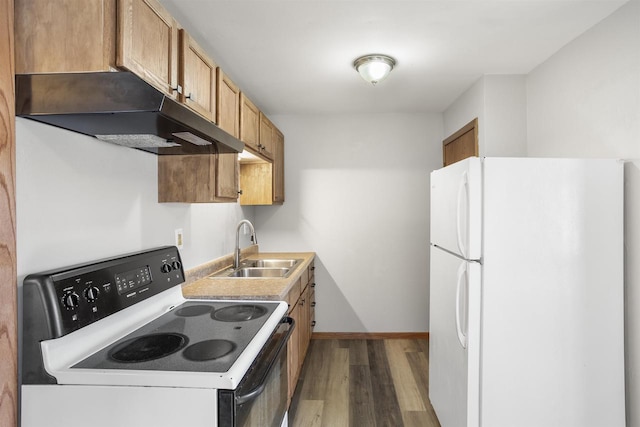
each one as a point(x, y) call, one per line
point(357, 193)
point(499, 103)
point(79, 199)
point(584, 101)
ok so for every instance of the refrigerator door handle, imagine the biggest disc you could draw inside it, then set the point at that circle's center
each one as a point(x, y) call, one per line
point(462, 279)
point(463, 191)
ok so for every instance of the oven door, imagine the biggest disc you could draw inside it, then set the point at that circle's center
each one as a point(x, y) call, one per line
point(260, 400)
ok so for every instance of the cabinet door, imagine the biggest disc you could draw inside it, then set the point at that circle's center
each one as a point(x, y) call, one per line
point(197, 77)
point(227, 177)
point(462, 144)
point(228, 119)
point(312, 298)
point(148, 43)
point(186, 178)
point(304, 324)
point(249, 122)
point(278, 166)
point(266, 136)
point(293, 350)
point(65, 37)
point(228, 108)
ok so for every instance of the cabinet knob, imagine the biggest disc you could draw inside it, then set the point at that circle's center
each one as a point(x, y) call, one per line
point(240, 192)
point(313, 323)
point(313, 304)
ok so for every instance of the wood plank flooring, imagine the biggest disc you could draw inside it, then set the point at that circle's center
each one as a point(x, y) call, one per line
point(364, 383)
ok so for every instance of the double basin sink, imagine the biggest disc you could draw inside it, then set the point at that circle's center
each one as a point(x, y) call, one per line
point(261, 268)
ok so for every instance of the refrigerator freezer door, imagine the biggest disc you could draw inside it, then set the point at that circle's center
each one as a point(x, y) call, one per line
point(456, 208)
point(552, 301)
point(454, 339)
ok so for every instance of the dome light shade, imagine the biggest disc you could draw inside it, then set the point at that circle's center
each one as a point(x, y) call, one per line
point(374, 68)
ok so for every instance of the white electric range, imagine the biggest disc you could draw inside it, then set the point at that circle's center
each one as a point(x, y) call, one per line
point(114, 342)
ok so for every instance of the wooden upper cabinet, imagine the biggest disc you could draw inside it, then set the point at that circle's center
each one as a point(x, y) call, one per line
point(186, 178)
point(148, 43)
point(227, 177)
point(249, 123)
point(228, 108)
point(266, 136)
point(65, 36)
point(262, 181)
point(228, 119)
point(198, 178)
point(462, 144)
point(197, 77)
point(278, 166)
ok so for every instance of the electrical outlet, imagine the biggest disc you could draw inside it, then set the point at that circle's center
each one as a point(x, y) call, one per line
point(179, 238)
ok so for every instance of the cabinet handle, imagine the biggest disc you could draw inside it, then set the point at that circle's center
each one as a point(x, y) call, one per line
point(240, 192)
point(177, 89)
point(313, 304)
point(189, 96)
point(313, 285)
point(313, 267)
point(313, 323)
point(302, 302)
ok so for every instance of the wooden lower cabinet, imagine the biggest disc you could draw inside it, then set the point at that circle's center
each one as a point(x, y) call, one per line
point(293, 354)
point(301, 310)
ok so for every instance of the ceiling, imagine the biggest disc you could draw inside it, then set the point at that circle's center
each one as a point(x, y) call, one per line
point(295, 56)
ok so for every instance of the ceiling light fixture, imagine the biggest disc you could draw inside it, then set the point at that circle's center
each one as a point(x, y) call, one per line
point(374, 68)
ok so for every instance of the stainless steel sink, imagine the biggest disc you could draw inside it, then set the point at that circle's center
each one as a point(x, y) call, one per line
point(261, 268)
point(259, 272)
point(272, 263)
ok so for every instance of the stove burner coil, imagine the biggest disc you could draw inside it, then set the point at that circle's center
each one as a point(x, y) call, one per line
point(208, 350)
point(148, 347)
point(194, 310)
point(239, 313)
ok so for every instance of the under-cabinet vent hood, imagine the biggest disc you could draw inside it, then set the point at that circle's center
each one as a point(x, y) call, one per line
point(120, 108)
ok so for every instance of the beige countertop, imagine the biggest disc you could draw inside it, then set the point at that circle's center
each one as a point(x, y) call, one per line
point(201, 282)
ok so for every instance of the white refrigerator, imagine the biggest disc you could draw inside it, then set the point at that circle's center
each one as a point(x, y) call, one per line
point(526, 293)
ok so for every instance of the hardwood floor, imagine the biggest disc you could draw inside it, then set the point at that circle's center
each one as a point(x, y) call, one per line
point(368, 383)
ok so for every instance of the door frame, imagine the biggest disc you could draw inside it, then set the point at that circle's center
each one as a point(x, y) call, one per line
point(8, 278)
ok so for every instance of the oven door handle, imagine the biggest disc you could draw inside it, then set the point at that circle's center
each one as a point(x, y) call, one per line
point(255, 392)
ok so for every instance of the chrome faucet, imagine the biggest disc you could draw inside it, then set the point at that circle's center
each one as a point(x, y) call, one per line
point(236, 253)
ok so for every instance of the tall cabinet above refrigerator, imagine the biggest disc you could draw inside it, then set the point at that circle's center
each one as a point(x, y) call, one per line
point(526, 293)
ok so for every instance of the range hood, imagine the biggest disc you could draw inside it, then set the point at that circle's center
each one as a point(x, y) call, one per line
point(120, 108)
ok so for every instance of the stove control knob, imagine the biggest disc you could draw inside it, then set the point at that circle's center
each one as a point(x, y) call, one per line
point(91, 293)
point(166, 268)
point(71, 300)
point(176, 265)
